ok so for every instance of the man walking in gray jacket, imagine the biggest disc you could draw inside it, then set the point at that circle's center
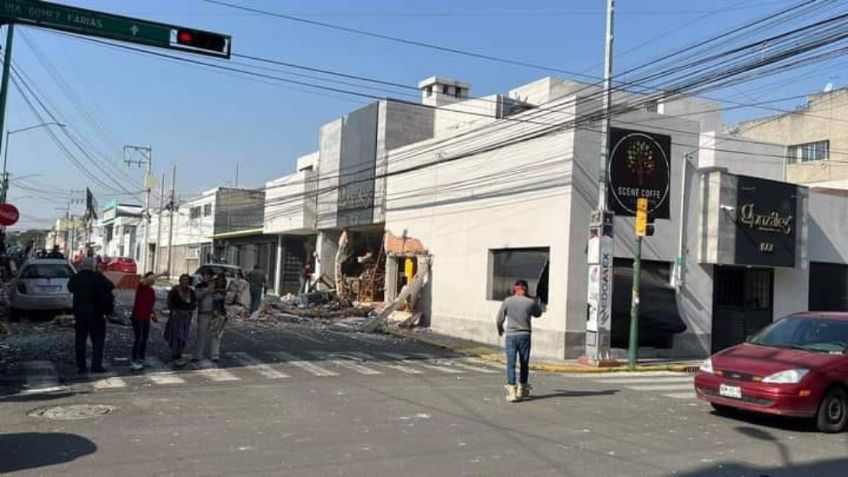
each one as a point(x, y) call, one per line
point(518, 310)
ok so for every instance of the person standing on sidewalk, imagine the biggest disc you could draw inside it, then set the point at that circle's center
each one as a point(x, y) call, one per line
point(93, 299)
point(205, 296)
point(517, 311)
point(257, 288)
point(182, 302)
point(142, 315)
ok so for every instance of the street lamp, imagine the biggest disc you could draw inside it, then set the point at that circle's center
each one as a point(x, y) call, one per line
point(4, 178)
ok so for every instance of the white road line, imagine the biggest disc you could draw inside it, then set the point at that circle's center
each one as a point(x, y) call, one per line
point(112, 382)
point(307, 366)
point(662, 387)
point(688, 395)
point(254, 364)
point(457, 363)
point(657, 380)
point(217, 374)
point(345, 362)
point(406, 360)
point(624, 374)
point(390, 365)
point(40, 376)
point(160, 373)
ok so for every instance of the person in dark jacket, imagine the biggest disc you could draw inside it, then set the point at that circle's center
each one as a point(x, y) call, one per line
point(182, 302)
point(517, 311)
point(90, 289)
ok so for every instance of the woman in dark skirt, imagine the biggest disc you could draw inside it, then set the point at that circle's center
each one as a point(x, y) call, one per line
point(182, 303)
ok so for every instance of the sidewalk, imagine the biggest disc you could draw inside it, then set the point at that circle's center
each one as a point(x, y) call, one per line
point(495, 354)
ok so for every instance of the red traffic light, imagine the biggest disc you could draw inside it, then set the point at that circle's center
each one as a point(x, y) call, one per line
point(201, 42)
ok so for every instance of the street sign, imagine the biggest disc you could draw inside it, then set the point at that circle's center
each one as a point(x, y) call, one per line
point(114, 27)
point(641, 216)
point(9, 215)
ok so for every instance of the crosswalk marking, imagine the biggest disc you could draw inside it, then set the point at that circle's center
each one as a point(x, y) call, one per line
point(161, 374)
point(390, 365)
point(406, 360)
point(682, 379)
point(343, 361)
point(112, 382)
point(458, 364)
point(662, 387)
point(217, 374)
point(685, 395)
point(253, 364)
point(41, 376)
point(307, 366)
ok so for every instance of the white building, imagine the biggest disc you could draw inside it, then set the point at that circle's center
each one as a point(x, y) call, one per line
point(493, 200)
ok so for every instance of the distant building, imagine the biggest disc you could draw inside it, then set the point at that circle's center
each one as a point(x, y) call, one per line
point(815, 138)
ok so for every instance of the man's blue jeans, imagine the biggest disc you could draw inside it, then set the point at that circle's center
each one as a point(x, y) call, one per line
point(517, 344)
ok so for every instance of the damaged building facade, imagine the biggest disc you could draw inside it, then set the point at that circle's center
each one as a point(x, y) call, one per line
point(496, 197)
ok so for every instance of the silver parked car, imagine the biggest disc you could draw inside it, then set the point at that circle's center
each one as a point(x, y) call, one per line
point(42, 285)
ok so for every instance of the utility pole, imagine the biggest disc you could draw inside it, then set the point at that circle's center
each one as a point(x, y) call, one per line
point(159, 225)
point(149, 181)
point(237, 171)
point(4, 93)
point(173, 209)
point(600, 247)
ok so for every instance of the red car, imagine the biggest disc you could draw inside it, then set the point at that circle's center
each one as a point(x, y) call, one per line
point(121, 264)
point(797, 366)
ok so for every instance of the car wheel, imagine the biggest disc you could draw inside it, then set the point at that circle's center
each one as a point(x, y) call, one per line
point(723, 410)
point(833, 411)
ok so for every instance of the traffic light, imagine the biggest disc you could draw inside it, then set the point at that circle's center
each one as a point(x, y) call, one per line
point(644, 224)
point(201, 42)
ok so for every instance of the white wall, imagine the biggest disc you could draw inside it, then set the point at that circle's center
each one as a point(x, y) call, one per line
point(514, 196)
point(288, 209)
point(742, 156)
point(828, 226)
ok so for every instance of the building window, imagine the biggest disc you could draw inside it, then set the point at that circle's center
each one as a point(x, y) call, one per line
point(508, 265)
point(194, 212)
point(428, 91)
point(207, 210)
point(444, 89)
point(811, 151)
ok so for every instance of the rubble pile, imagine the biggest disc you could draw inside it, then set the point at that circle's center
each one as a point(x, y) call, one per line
point(317, 308)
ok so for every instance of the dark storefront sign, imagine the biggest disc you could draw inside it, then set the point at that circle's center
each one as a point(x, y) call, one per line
point(357, 167)
point(639, 166)
point(765, 222)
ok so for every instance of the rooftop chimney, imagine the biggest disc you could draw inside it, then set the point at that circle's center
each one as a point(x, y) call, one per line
point(437, 91)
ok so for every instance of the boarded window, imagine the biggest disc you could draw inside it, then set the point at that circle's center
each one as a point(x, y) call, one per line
point(508, 265)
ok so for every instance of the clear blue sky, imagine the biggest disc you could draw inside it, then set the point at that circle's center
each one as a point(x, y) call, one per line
point(206, 122)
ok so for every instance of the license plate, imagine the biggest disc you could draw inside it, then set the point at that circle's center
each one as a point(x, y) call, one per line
point(51, 288)
point(734, 392)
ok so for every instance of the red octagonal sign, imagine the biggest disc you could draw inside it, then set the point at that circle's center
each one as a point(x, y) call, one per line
point(9, 214)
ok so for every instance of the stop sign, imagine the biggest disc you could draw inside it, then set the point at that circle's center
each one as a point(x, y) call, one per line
point(8, 214)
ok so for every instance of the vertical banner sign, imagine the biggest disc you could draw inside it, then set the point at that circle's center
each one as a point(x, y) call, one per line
point(599, 295)
point(639, 167)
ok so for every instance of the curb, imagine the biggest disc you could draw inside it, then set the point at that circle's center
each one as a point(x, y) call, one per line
point(487, 354)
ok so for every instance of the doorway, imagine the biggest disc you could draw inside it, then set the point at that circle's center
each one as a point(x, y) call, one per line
point(743, 303)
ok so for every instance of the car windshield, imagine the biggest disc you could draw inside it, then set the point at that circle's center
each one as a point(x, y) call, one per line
point(810, 334)
point(47, 270)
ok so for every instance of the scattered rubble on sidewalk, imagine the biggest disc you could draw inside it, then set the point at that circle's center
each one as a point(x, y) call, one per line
point(321, 309)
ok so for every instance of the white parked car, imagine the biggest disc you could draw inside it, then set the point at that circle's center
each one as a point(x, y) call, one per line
point(41, 285)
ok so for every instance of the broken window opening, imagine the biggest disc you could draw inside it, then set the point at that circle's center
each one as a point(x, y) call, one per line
point(506, 266)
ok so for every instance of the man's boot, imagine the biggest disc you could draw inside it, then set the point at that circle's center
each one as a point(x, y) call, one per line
point(512, 393)
point(524, 390)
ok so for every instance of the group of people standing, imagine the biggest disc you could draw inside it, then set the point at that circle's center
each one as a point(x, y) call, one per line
point(212, 300)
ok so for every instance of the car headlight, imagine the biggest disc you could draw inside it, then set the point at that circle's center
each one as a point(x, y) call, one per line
point(707, 366)
point(790, 376)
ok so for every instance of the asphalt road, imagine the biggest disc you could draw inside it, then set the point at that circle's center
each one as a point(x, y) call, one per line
point(299, 400)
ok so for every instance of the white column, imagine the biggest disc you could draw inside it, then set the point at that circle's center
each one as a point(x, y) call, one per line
point(278, 267)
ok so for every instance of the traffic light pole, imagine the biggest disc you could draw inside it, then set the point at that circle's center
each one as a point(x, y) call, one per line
point(633, 347)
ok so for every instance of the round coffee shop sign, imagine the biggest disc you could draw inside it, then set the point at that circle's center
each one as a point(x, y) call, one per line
point(638, 167)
